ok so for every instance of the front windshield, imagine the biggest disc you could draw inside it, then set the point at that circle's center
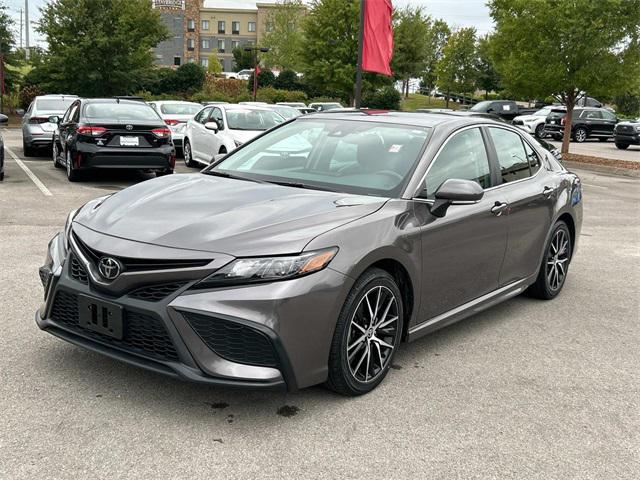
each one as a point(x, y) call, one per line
point(368, 158)
point(480, 107)
point(543, 112)
point(287, 112)
point(180, 108)
point(256, 120)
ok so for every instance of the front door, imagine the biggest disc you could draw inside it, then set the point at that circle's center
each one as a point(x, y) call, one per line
point(462, 252)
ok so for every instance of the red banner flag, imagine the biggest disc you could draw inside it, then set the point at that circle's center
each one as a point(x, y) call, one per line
point(377, 37)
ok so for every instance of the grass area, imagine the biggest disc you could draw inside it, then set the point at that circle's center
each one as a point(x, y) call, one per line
point(416, 101)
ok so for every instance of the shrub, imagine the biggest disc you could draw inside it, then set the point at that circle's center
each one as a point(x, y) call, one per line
point(325, 100)
point(27, 94)
point(287, 80)
point(266, 78)
point(273, 95)
point(228, 86)
point(188, 78)
point(387, 98)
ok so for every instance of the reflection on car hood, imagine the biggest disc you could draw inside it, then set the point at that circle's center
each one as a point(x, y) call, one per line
point(243, 136)
point(526, 118)
point(215, 214)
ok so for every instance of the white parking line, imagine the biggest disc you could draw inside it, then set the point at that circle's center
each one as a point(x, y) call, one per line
point(45, 191)
point(594, 186)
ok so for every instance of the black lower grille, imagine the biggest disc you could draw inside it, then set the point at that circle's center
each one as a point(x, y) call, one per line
point(143, 334)
point(155, 293)
point(233, 341)
point(77, 271)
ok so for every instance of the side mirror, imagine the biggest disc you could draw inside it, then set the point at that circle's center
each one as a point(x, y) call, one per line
point(455, 191)
point(3, 118)
point(54, 119)
point(213, 126)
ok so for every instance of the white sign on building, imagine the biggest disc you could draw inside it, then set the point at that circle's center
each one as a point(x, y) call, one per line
point(168, 4)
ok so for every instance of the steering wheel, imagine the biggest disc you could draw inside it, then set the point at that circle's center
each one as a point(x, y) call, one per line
point(391, 173)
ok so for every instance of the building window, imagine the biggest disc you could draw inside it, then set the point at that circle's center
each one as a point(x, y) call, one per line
point(235, 28)
point(252, 26)
point(176, 61)
point(221, 46)
point(221, 26)
point(235, 44)
point(191, 25)
point(205, 24)
point(191, 44)
point(205, 44)
point(204, 62)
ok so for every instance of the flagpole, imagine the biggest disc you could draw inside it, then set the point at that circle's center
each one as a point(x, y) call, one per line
point(358, 90)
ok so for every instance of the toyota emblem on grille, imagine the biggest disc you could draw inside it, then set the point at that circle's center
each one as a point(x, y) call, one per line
point(129, 127)
point(109, 268)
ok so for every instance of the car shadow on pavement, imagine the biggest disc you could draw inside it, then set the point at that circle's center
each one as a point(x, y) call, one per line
point(94, 375)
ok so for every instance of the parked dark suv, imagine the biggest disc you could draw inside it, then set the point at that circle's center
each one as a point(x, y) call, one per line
point(627, 133)
point(112, 133)
point(586, 123)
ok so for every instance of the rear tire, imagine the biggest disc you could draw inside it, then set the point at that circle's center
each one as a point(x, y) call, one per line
point(73, 175)
point(539, 133)
point(56, 155)
point(622, 146)
point(555, 264)
point(366, 339)
point(580, 135)
point(188, 154)
point(168, 171)
point(27, 151)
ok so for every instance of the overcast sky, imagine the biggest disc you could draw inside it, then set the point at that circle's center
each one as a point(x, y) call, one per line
point(457, 13)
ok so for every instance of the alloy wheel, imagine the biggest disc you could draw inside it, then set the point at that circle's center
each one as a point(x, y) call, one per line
point(557, 260)
point(372, 334)
point(186, 153)
point(581, 135)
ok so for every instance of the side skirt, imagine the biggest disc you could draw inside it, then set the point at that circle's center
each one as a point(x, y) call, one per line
point(470, 308)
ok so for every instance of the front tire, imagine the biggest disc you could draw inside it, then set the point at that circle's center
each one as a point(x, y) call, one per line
point(603, 139)
point(367, 334)
point(162, 173)
point(188, 154)
point(622, 146)
point(555, 264)
point(580, 135)
point(539, 133)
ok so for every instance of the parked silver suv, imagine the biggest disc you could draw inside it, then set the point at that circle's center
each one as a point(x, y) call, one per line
point(37, 131)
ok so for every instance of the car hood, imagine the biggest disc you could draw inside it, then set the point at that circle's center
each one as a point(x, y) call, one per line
point(243, 136)
point(215, 214)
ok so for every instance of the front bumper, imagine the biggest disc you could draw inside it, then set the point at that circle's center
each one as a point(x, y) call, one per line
point(627, 138)
point(271, 335)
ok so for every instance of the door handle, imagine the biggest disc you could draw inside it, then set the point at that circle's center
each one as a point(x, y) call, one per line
point(498, 208)
point(548, 191)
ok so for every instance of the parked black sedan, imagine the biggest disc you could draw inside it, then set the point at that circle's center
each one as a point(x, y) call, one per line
point(3, 119)
point(627, 133)
point(112, 133)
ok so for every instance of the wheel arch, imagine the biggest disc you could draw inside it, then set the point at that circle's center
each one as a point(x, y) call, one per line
point(567, 218)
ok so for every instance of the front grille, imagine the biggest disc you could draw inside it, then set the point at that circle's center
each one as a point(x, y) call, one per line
point(140, 264)
point(233, 341)
point(77, 271)
point(143, 334)
point(155, 293)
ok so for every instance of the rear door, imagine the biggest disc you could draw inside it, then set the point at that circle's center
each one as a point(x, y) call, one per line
point(609, 121)
point(593, 120)
point(531, 198)
point(198, 134)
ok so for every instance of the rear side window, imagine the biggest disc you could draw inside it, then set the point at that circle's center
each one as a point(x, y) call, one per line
point(593, 114)
point(532, 156)
point(511, 154)
point(463, 157)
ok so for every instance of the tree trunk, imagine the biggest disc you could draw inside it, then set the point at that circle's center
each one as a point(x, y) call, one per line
point(406, 95)
point(566, 138)
point(486, 94)
point(447, 102)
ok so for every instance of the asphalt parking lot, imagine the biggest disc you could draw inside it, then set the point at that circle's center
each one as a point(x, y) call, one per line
point(527, 389)
point(608, 149)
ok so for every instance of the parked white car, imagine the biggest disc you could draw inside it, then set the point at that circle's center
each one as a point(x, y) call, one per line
point(534, 123)
point(176, 114)
point(220, 129)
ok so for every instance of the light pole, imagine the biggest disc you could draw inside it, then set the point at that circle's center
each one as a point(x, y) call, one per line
point(256, 67)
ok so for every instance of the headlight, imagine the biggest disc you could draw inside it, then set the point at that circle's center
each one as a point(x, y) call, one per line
point(268, 269)
point(637, 128)
point(237, 143)
point(67, 228)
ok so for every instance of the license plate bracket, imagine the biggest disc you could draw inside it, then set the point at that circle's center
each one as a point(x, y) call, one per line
point(129, 141)
point(101, 317)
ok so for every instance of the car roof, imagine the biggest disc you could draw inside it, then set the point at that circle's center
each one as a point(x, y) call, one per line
point(407, 118)
point(173, 101)
point(114, 100)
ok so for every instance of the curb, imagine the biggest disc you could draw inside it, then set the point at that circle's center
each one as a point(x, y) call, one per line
point(624, 172)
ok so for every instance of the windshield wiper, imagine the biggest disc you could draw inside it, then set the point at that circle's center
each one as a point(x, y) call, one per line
point(217, 173)
point(302, 185)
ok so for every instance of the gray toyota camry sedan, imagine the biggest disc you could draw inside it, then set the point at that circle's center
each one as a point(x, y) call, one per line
point(309, 254)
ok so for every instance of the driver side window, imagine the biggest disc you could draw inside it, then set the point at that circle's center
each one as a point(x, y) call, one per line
point(463, 157)
point(203, 115)
point(216, 116)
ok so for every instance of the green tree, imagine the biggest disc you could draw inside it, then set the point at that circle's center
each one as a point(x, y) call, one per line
point(439, 33)
point(189, 77)
point(242, 60)
point(284, 35)
point(456, 70)
point(488, 78)
point(287, 80)
point(99, 47)
point(330, 46)
point(411, 42)
point(10, 57)
point(215, 67)
point(593, 48)
point(266, 78)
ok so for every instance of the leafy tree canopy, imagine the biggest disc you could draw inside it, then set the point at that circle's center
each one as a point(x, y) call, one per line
point(99, 47)
point(411, 42)
point(284, 35)
point(242, 60)
point(456, 70)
